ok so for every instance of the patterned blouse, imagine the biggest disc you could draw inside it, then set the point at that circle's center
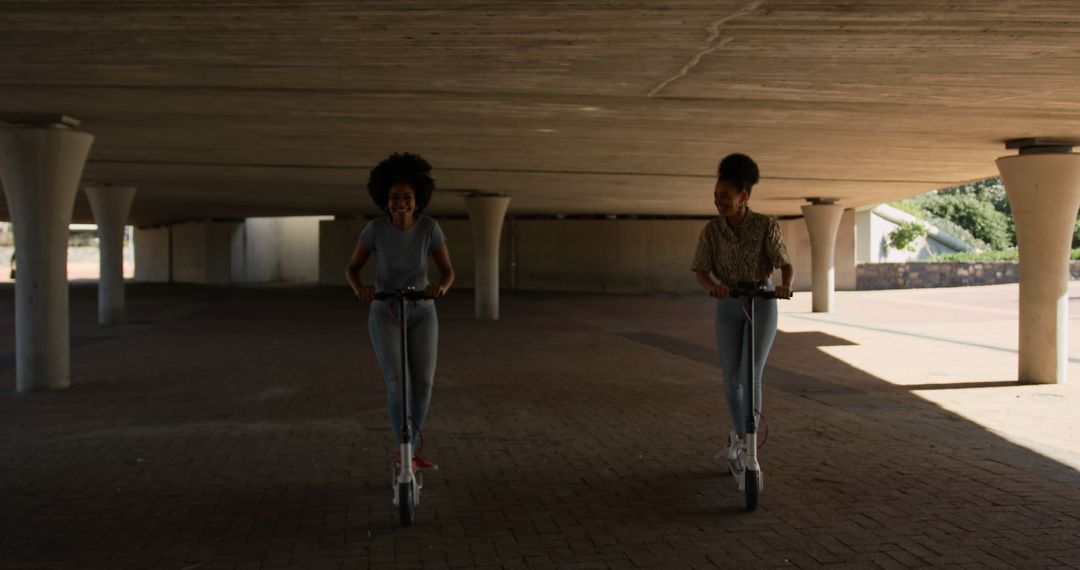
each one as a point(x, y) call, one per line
point(747, 252)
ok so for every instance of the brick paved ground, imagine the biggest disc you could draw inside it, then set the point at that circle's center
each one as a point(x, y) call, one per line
point(245, 429)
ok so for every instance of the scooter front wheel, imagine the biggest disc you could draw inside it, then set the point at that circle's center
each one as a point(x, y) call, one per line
point(406, 503)
point(751, 488)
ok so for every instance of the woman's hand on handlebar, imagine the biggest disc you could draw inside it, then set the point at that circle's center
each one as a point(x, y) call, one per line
point(784, 292)
point(365, 294)
point(720, 291)
point(435, 290)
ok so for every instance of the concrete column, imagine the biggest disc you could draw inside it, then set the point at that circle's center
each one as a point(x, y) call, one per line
point(40, 167)
point(865, 250)
point(846, 279)
point(486, 213)
point(822, 222)
point(1043, 185)
point(111, 205)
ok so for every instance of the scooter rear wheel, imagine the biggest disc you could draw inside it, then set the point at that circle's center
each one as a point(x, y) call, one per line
point(751, 487)
point(406, 503)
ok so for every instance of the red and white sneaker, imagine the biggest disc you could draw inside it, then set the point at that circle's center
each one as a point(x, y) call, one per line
point(419, 462)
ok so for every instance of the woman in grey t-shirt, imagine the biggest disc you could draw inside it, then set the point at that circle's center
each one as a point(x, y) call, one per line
point(402, 241)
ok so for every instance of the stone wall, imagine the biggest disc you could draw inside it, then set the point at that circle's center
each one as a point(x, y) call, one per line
point(872, 276)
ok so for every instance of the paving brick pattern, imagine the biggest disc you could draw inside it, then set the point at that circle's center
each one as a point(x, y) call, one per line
point(246, 429)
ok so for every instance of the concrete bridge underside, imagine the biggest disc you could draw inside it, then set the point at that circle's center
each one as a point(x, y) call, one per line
point(234, 109)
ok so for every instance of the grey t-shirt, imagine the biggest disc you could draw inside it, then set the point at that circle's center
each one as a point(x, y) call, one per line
point(401, 257)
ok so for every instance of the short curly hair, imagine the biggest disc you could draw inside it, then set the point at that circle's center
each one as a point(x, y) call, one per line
point(740, 171)
point(399, 167)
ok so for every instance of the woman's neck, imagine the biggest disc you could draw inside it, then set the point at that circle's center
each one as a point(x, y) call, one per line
point(403, 222)
point(738, 217)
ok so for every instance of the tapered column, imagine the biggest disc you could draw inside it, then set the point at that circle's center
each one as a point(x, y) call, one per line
point(40, 167)
point(1043, 185)
point(486, 213)
point(822, 222)
point(111, 205)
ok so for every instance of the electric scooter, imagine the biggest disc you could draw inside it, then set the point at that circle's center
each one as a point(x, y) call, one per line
point(747, 470)
point(405, 478)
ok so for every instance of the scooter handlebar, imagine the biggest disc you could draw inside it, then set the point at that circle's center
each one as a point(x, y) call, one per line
point(403, 295)
point(759, 293)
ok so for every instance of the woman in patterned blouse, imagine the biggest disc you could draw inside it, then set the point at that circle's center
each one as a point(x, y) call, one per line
point(740, 248)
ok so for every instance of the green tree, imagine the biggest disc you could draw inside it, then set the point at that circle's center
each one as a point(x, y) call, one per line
point(981, 209)
point(977, 216)
point(904, 236)
point(989, 190)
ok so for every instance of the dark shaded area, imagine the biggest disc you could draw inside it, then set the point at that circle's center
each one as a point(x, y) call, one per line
point(246, 428)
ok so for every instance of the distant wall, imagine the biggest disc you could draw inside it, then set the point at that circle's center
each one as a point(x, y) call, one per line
point(152, 254)
point(257, 250)
point(872, 233)
point(337, 240)
point(207, 252)
point(619, 255)
point(281, 249)
point(298, 248)
point(589, 255)
point(261, 263)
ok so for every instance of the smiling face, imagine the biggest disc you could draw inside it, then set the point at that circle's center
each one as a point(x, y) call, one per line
point(401, 202)
point(729, 199)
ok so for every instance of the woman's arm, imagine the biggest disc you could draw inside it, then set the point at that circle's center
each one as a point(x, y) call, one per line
point(718, 290)
point(360, 257)
point(446, 272)
point(787, 279)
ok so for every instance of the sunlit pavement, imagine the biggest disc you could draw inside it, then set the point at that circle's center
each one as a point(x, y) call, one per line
point(955, 347)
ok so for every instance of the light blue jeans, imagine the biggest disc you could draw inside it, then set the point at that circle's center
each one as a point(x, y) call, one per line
point(385, 333)
point(733, 346)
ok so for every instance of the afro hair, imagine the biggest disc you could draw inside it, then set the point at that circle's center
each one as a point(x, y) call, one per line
point(411, 169)
point(740, 171)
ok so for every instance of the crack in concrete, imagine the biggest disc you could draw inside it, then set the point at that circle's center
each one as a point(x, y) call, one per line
point(688, 66)
point(714, 28)
point(711, 42)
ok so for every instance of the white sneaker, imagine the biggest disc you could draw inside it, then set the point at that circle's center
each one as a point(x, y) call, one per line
point(733, 446)
point(736, 449)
